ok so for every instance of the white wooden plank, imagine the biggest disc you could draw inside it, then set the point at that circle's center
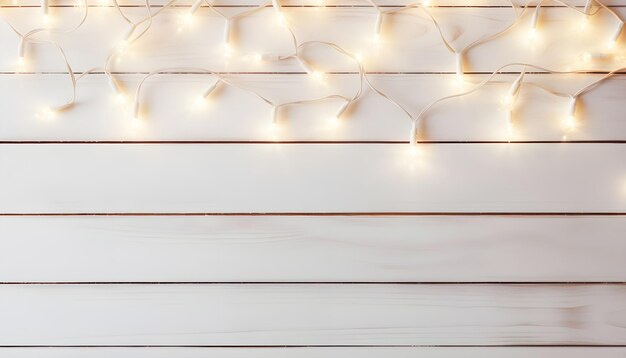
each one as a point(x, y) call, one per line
point(294, 3)
point(312, 314)
point(238, 178)
point(317, 352)
point(312, 249)
point(171, 113)
point(409, 41)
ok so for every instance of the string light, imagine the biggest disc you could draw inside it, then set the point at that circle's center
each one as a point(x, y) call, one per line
point(570, 118)
point(616, 35)
point(509, 100)
point(533, 24)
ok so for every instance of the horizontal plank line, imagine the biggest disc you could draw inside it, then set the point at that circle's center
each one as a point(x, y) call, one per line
point(392, 6)
point(331, 214)
point(331, 346)
point(310, 142)
point(594, 72)
point(334, 283)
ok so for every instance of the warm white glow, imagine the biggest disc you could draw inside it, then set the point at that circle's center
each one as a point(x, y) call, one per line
point(359, 56)
point(427, 3)
point(228, 50)
point(47, 113)
point(318, 75)
point(282, 20)
point(570, 122)
point(21, 63)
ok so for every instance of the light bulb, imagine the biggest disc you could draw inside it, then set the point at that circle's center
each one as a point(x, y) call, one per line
point(318, 75)
point(210, 89)
point(274, 117)
point(315, 74)
point(135, 112)
point(115, 86)
point(44, 8)
point(535, 19)
point(48, 113)
point(588, 5)
point(427, 3)
point(616, 35)
point(21, 62)
point(570, 118)
point(226, 33)
point(342, 110)
point(413, 135)
point(20, 53)
point(256, 57)
point(509, 99)
point(359, 57)
point(377, 28)
point(195, 6)
point(459, 66)
point(228, 50)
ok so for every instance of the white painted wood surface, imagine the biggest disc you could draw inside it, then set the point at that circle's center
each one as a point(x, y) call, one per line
point(312, 178)
point(171, 113)
point(410, 42)
point(534, 181)
point(312, 249)
point(312, 314)
point(317, 352)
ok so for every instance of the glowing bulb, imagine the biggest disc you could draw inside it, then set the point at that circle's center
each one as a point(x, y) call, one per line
point(588, 5)
point(570, 123)
point(228, 50)
point(584, 23)
point(459, 66)
point(359, 57)
point(413, 135)
point(509, 99)
point(570, 118)
point(195, 6)
point(274, 117)
point(379, 24)
point(46, 18)
point(209, 90)
point(341, 110)
point(427, 3)
point(318, 75)
point(616, 35)
point(135, 112)
point(533, 34)
point(115, 86)
point(282, 20)
point(256, 57)
point(376, 39)
point(47, 113)
point(21, 62)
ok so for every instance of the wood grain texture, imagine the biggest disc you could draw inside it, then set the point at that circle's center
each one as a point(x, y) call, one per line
point(172, 114)
point(410, 42)
point(312, 249)
point(312, 314)
point(312, 178)
point(330, 3)
point(318, 352)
